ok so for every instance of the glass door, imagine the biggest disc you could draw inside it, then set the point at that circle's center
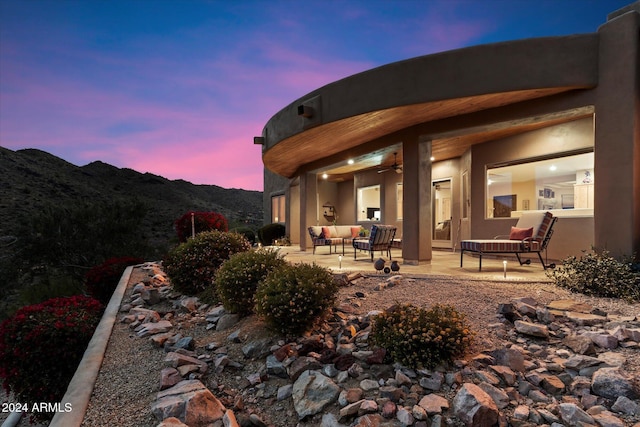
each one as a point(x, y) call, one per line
point(441, 212)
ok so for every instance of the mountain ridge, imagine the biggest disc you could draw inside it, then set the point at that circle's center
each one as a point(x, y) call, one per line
point(32, 179)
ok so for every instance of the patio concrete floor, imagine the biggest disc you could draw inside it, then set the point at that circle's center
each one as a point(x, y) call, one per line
point(443, 263)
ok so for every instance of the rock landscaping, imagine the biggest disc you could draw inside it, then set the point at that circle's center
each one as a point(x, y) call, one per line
point(557, 363)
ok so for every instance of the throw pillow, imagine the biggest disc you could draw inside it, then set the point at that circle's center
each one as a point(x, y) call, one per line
point(326, 231)
point(520, 233)
point(355, 232)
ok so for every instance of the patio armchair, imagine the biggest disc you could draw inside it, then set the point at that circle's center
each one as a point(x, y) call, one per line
point(379, 239)
point(530, 235)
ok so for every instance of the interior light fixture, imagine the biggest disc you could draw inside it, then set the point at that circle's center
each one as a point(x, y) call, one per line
point(489, 182)
point(432, 158)
point(552, 168)
point(350, 161)
point(325, 176)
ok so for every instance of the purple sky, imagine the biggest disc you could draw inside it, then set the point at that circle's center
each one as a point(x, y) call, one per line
point(179, 88)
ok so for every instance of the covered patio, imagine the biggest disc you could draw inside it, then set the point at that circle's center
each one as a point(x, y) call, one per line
point(443, 263)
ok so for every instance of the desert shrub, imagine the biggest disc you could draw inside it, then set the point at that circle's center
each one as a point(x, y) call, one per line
point(292, 298)
point(248, 233)
point(418, 338)
point(270, 232)
point(202, 221)
point(192, 265)
point(237, 278)
point(598, 274)
point(103, 279)
point(41, 346)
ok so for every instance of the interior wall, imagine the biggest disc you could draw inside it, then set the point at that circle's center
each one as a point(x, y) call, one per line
point(562, 138)
point(293, 217)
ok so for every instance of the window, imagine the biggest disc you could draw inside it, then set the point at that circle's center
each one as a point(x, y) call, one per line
point(278, 212)
point(369, 203)
point(555, 183)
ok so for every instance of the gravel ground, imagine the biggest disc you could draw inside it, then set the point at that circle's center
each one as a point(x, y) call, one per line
point(129, 377)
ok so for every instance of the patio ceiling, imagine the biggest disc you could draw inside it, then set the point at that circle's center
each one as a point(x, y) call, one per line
point(370, 139)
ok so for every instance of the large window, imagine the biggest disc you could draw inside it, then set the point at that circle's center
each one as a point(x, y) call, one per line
point(278, 212)
point(559, 183)
point(369, 203)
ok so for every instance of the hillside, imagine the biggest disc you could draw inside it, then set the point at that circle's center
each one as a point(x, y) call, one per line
point(33, 179)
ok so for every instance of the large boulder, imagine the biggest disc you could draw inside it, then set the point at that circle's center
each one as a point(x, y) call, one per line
point(475, 407)
point(313, 392)
point(190, 402)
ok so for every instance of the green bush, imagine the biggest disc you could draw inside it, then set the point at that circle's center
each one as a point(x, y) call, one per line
point(192, 265)
point(292, 298)
point(102, 280)
point(248, 233)
point(271, 232)
point(41, 346)
point(237, 278)
point(418, 338)
point(598, 274)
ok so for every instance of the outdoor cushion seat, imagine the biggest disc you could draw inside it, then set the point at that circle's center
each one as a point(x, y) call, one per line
point(530, 235)
point(379, 239)
point(332, 235)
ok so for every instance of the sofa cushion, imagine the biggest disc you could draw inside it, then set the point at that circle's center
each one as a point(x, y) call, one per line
point(326, 232)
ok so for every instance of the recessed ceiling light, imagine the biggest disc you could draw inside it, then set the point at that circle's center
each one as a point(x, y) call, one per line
point(325, 176)
point(350, 161)
point(432, 158)
point(552, 167)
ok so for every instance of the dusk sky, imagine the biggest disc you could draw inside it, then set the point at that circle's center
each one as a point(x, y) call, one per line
point(179, 88)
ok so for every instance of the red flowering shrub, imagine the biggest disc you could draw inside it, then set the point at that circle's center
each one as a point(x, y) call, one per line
point(103, 279)
point(202, 221)
point(41, 346)
point(192, 265)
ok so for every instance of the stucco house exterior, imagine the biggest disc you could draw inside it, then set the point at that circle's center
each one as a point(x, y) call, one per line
point(456, 145)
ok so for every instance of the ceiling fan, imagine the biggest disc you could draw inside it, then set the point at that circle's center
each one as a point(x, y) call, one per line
point(395, 166)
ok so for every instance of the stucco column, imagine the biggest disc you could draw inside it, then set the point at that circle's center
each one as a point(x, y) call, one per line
point(617, 138)
point(308, 207)
point(416, 223)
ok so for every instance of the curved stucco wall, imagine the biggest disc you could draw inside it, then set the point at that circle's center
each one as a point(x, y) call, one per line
point(557, 62)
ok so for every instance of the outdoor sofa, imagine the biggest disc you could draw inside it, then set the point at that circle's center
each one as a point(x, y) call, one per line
point(333, 235)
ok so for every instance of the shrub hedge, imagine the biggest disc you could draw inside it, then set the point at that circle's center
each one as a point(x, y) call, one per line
point(202, 221)
point(192, 265)
point(417, 337)
point(238, 278)
point(598, 274)
point(102, 280)
point(293, 297)
point(41, 346)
